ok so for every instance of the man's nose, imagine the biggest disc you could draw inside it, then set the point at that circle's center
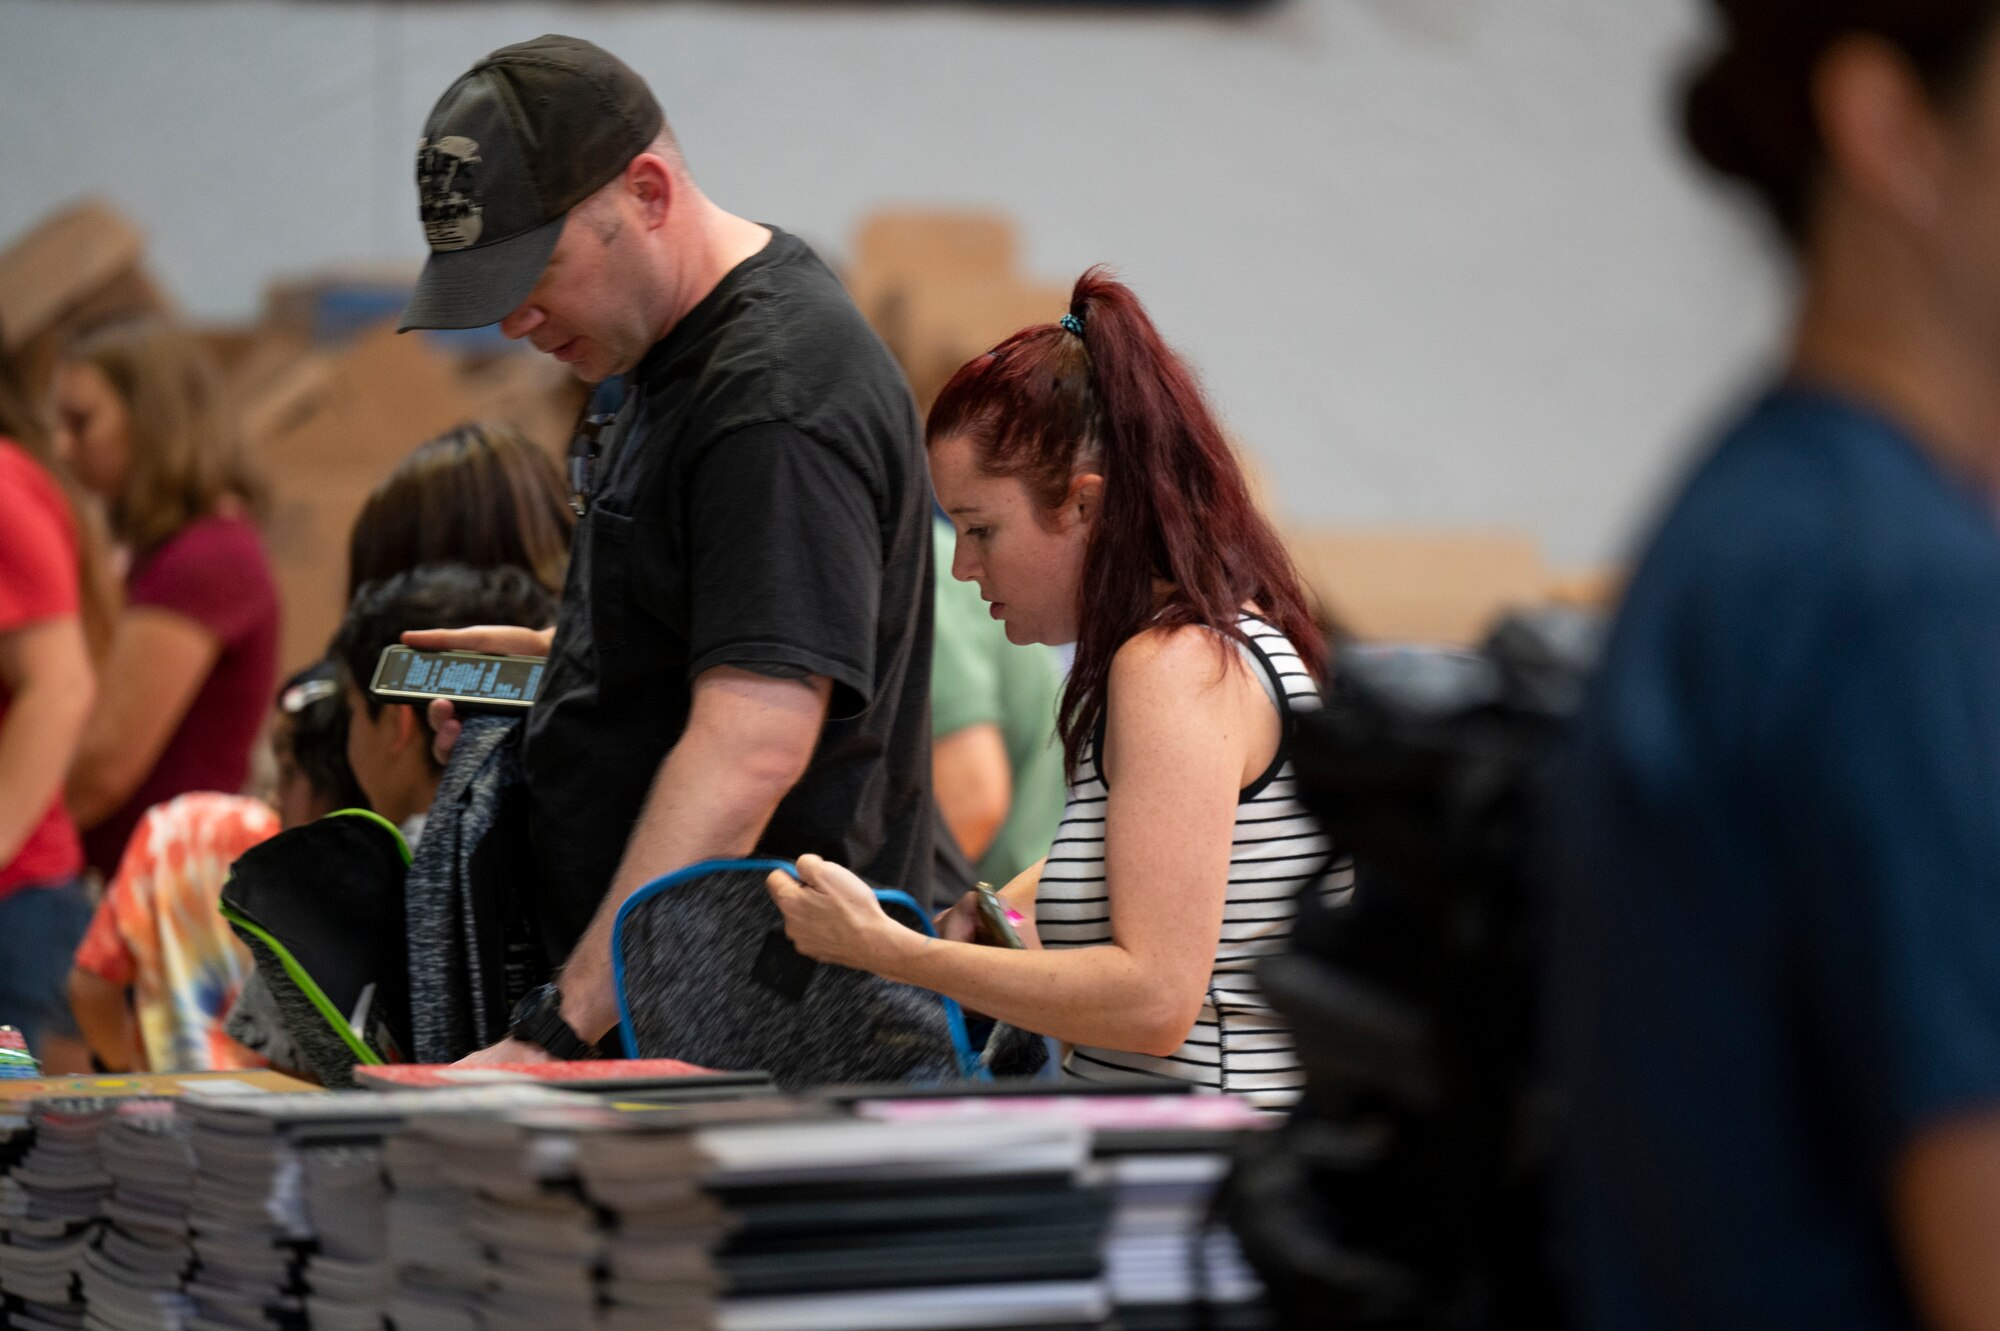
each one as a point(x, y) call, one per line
point(522, 322)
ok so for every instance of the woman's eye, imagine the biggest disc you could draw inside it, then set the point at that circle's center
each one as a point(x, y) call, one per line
point(976, 533)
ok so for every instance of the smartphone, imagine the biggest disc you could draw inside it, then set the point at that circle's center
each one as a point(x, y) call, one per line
point(473, 681)
point(995, 929)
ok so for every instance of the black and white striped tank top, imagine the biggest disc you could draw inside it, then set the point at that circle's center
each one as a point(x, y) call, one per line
point(1238, 1044)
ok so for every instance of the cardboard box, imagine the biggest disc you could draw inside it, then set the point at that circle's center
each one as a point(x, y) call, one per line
point(899, 253)
point(1415, 585)
point(536, 395)
point(326, 430)
point(948, 321)
point(81, 266)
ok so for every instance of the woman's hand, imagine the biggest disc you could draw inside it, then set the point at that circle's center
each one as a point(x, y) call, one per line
point(960, 923)
point(832, 916)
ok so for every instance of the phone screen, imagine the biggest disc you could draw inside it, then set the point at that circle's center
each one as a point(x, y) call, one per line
point(404, 673)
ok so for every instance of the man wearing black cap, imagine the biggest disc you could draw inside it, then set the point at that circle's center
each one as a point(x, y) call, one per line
point(743, 653)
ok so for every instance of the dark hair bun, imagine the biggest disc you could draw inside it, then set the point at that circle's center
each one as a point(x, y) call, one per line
point(1748, 109)
point(1747, 113)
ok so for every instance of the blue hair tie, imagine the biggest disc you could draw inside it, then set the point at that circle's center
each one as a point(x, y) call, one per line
point(1072, 323)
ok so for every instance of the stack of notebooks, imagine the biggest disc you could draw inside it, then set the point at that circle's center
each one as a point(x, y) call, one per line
point(763, 1215)
point(51, 1211)
point(521, 1207)
point(856, 1225)
point(1162, 1157)
point(288, 1202)
point(92, 1199)
point(136, 1278)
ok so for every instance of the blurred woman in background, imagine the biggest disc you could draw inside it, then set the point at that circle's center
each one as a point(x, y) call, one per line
point(1097, 502)
point(46, 687)
point(1776, 975)
point(144, 425)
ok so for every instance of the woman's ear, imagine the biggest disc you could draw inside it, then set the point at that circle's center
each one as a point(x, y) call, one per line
point(1086, 493)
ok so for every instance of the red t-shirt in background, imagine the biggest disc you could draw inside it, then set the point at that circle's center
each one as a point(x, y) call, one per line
point(38, 582)
point(213, 571)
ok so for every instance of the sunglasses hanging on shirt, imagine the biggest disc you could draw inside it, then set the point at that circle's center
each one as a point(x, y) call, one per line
point(584, 446)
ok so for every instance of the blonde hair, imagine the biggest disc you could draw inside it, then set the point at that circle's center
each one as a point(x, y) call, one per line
point(188, 451)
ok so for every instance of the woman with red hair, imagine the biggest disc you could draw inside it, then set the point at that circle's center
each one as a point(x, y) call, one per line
point(1098, 503)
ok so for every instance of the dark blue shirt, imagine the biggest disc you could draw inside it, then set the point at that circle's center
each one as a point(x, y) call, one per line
point(1776, 928)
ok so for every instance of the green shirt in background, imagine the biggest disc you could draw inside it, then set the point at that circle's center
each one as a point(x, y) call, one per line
point(977, 676)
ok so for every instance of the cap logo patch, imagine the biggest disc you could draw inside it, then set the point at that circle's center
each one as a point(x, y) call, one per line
point(447, 182)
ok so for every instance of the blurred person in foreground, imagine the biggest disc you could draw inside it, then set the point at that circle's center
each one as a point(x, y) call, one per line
point(47, 683)
point(1097, 502)
point(1775, 999)
point(996, 765)
point(146, 426)
point(159, 968)
point(742, 658)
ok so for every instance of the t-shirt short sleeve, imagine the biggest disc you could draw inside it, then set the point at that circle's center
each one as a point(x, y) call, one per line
point(965, 668)
point(786, 555)
point(211, 571)
point(1898, 788)
point(38, 552)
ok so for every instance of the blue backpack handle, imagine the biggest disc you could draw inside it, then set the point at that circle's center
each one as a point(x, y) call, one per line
point(954, 1016)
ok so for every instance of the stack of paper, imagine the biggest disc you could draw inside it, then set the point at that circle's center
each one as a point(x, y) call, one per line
point(51, 1209)
point(854, 1225)
point(135, 1279)
point(1163, 1157)
point(288, 1212)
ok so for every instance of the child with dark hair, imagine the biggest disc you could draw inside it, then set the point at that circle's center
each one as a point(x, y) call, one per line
point(1775, 984)
point(310, 745)
point(389, 744)
point(1098, 503)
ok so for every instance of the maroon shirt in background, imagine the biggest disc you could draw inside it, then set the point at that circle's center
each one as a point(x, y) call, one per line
point(215, 572)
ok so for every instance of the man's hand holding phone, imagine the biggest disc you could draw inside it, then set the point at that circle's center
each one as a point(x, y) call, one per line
point(494, 639)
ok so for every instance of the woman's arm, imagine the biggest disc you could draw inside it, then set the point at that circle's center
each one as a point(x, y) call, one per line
point(1180, 737)
point(973, 785)
point(46, 670)
point(159, 661)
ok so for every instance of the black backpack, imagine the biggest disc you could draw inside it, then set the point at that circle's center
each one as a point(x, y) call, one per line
point(1406, 1190)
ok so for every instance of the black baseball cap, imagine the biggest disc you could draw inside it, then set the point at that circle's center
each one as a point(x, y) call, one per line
point(520, 139)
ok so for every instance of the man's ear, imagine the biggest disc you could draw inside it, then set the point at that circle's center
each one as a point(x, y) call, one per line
point(652, 187)
point(1883, 139)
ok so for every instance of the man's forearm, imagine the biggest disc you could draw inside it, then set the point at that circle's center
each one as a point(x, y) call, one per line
point(702, 805)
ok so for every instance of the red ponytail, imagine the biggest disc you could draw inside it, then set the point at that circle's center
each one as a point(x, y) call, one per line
point(1050, 403)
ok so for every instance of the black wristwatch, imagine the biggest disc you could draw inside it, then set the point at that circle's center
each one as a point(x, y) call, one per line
point(538, 1019)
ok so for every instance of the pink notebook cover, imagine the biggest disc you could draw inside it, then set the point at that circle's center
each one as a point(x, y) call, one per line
point(554, 1074)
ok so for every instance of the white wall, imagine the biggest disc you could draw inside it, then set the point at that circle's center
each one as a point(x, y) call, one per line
point(1440, 260)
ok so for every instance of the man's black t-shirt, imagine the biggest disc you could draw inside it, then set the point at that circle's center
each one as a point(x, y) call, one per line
point(762, 501)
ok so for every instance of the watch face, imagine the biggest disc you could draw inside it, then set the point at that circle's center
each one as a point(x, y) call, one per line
point(532, 1013)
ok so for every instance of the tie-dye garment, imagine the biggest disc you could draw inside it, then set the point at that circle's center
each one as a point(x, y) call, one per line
point(158, 929)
